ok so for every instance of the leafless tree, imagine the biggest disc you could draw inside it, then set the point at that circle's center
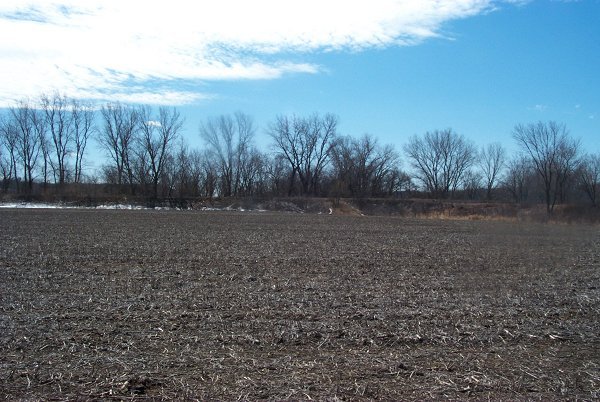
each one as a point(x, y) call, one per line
point(518, 178)
point(249, 173)
point(440, 160)
point(210, 172)
point(229, 140)
point(187, 171)
point(8, 141)
point(58, 120)
point(40, 126)
point(276, 170)
point(5, 168)
point(589, 176)
point(553, 153)
point(306, 144)
point(363, 168)
point(365, 164)
point(83, 129)
point(27, 144)
point(158, 133)
point(343, 161)
point(7, 154)
point(472, 183)
point(120, 126)
point(491, 162)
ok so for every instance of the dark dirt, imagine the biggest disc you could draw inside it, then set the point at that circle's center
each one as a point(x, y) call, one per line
point(231, 305)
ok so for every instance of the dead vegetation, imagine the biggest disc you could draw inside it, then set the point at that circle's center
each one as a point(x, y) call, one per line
point(132, 305)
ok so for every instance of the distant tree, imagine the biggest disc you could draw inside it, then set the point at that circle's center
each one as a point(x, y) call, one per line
point(189, 171)
point(58, 122)
point(440, 159)
point(5, 168)
point(229, 140)
point(518, 178)
point(27, 142)
point(363, 168)
point(277, 173)
point(553, 153)
point(305, 143)
point(472, 183)
point(210, 173)
point(118, 137)
point(40, 126)
point(251, 173)
point(589, 177)
point(491, 162)
point(158, 133)
point(8, 161)
point(83, 129)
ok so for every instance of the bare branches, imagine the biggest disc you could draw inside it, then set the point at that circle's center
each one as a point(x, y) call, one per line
point(120, 124)
point(553, 153)
point(518, 178)
point(440, 159)
point(363, 168)
point(491, 162)
point(306, 144)
point(158, 133)
point(230, 143)
point(59, 124)
point(589, 176)
point(8, 158)
point(27, 144)
point(82, 129)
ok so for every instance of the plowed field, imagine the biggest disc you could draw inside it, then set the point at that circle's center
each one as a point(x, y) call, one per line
point(236, 305)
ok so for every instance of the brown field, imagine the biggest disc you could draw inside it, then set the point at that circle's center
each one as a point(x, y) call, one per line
point(230, 305)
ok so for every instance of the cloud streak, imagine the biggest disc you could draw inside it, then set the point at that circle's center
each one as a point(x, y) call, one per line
point(138, 51)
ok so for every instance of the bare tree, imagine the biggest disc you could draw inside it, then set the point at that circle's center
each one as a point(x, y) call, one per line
point(210, 172)
point(491, 162)
point(472, 183)
point(306, 144)
point(5, 168)
point(440, 159)
point(320, 138)
point(552, 152)
point(287, 142)
point(8, 140)
point(187, 171)
point(158, 134)
point(276, 174)
point(120, 125)
point(589, 176)
point(27, 144)
point(83, 129)
point(364, 165)
point(363, 168)
point(229, 141)
point(58, 120)
point(518, 179)
point(40, 126)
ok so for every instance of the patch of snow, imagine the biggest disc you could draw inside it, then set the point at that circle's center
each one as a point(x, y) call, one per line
point(33, 205)
point(38, 205)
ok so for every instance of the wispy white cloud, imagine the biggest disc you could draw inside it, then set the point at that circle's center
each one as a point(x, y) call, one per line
point(137, 51)
point(539, 108)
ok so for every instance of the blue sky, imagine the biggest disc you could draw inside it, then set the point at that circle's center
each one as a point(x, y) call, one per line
point(389, 68)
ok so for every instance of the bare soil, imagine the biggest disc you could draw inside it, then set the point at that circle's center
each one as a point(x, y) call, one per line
point(234, 305)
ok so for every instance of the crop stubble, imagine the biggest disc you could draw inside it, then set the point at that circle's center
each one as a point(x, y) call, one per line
point(228, 305)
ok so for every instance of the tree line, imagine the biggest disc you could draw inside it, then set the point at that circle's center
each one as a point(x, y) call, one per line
point(43, 146)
